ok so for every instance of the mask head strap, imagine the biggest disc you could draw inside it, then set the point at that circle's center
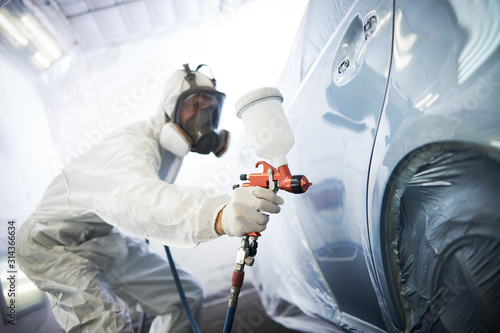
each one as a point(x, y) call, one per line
point(211, 74)
point(190, 77)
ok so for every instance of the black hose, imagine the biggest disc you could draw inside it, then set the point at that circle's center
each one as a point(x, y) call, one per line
point(185, 304)
point(142, 323)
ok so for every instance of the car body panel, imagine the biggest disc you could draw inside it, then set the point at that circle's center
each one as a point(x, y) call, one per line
point(343, 119)
point(337, 230)
point(434, 80)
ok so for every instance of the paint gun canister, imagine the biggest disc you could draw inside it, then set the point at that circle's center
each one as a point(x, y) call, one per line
point(266, 124)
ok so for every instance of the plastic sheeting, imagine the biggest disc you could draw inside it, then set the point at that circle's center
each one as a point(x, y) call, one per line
point(289, 280)
point(447, 248)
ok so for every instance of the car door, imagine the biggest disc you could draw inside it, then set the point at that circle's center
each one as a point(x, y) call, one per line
point(334, 116)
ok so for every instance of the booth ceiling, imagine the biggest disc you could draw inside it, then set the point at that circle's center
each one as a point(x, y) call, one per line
point(93, 23)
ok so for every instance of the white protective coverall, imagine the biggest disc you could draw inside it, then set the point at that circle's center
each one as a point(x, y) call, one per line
point(70, 246)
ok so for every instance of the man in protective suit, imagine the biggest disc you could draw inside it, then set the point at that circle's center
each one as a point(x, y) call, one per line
point(71, 246)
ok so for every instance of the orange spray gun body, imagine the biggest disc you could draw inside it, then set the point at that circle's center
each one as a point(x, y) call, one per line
point(275, 179)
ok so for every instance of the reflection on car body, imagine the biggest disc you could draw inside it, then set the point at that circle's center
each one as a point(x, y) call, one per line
point(396, 120)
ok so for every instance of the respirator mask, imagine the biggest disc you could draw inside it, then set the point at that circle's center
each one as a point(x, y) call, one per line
point(195, 118)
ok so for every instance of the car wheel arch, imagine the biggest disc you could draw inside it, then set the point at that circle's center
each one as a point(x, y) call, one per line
point(400, 259)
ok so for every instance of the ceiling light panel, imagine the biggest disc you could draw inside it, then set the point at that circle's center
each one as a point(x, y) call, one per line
point(137, 17)
point(88, 30)
point(162, 13)
point(111, 23)
point(100, 4)
point(73, 7)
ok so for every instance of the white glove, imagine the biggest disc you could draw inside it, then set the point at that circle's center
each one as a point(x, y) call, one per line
point(243, 213)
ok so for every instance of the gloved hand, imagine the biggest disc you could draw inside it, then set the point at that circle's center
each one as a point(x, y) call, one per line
point(244, 213)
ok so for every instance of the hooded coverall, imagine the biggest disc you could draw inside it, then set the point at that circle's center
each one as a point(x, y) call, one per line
point(70, 246)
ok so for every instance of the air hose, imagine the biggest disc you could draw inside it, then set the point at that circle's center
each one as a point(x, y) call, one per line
point(245, 256)
point(231, 311)
point(142, 323)
point(185, 304)
point(182, 295)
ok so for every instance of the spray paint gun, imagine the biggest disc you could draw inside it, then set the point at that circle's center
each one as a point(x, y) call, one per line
point(271, 138)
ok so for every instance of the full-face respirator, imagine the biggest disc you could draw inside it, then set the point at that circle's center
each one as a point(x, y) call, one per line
point(192, 122)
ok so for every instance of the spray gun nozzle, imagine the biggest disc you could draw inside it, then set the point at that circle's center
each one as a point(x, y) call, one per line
point(300, 184)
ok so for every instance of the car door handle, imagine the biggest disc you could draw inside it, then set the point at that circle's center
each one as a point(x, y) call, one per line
point(351, 50)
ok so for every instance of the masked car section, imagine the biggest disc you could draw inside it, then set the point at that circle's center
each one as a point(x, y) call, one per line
point(435, 169)
point(442, 238)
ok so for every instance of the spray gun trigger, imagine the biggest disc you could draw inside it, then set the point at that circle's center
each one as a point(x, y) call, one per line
point(272, 185)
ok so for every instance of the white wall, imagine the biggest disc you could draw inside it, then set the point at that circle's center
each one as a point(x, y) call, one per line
point(25, 144)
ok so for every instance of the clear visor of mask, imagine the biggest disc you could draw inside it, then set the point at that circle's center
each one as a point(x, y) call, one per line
point(191, 104)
